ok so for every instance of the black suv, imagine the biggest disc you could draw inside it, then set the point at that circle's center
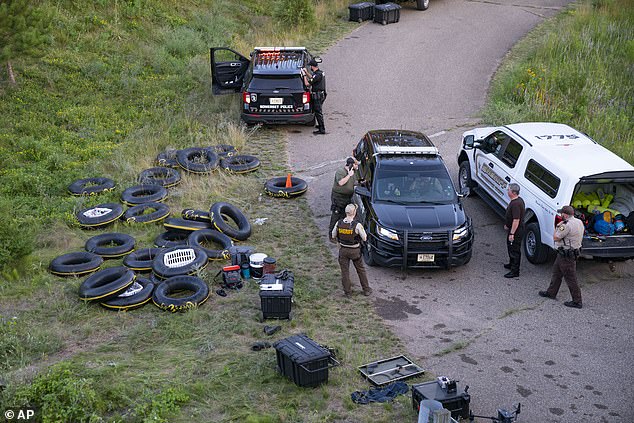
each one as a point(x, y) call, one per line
point(408, 203)
point(272, 87)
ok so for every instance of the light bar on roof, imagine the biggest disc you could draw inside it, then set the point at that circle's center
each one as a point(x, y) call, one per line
point(388, 149)
point(280, 48)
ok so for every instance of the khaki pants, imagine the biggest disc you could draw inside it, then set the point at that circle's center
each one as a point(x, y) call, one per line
point(347, 254)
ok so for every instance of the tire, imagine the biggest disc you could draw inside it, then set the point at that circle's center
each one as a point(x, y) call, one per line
point(232, 212)
point(197, 160)
point(240, 164)
point(99, 215)
point(171, 239)
point(75, 264)
point(175, 223)
point(141, 260)
point(422, 4)
point(368, 255)
point(162, 294)
point(464, 177)
point(196, 215)
point(167, 158)
point(224, 150)
point(106, 284)
point(141, 194)
point(205, 235)
point(163, 176)
point(91, 186)
point(137, 214)
point(276, 187)
point(111, 245)
point(179, 260)
point(535, 251)
point(137, 295)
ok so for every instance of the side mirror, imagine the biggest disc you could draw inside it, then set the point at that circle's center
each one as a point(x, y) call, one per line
point(362, 191)
point(468, 141)
point(464, 193)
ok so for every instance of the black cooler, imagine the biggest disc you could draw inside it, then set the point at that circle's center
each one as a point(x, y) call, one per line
point(276, 294)
point(303, 361)
point(387, 13)
point(360, 12)
point(447, 394)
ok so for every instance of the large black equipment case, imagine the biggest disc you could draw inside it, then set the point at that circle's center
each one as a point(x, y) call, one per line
point(387, 13)
point(276, 304)
point(303, 361)
point(456, 402)
point(363, 11)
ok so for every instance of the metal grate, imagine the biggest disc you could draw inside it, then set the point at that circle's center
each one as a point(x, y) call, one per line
point(179, 258)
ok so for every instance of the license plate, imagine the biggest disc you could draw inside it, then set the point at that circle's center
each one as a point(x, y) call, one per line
point(275, 101)
point(426, 257)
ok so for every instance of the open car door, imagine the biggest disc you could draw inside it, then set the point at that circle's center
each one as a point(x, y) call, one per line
point(227, 70)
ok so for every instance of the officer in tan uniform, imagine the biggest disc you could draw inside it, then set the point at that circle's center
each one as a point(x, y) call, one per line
point(349, 233)
point(568, 237)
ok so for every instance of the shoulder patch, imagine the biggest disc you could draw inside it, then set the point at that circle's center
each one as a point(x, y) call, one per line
point(561, 227)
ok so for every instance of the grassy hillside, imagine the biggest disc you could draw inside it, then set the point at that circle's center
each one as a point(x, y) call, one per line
point(576, 69)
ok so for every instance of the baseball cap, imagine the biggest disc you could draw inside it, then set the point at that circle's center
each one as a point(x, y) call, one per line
point(350, 161)
point(350, 208)
point(313, 62)
point(567, 209)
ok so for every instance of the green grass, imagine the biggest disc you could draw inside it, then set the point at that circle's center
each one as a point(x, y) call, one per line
point(574, 69)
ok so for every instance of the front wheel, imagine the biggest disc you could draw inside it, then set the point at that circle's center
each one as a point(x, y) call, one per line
point(535, 251)
point(464, 177)
point(368, 255)
point(422, 4)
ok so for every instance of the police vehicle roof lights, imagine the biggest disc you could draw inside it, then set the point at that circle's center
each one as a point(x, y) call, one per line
point(389, 149)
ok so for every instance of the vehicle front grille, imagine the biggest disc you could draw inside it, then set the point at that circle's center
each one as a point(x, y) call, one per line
point(427, 241)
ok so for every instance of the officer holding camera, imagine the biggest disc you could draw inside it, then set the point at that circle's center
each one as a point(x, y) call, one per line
point(342, 190)
point(568, 236)
point(317, 84)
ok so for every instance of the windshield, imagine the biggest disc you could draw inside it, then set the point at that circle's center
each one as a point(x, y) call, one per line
point(407, 186)
point(276, 82)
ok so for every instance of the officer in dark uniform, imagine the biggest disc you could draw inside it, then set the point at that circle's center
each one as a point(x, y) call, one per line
point(317, 84)
point(568, 237)
point(342, 190)
point(350, 233)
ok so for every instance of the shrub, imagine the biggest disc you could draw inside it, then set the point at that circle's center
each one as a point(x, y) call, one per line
point(294, 12)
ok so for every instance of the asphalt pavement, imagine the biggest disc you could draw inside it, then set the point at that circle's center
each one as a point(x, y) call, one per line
point(430, 72)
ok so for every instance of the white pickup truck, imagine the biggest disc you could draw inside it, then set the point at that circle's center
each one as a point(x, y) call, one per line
point(555, 165)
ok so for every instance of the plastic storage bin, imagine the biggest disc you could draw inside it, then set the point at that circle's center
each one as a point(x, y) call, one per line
point(360, 12)
point(387, 13)
point(457, 402)
point(276, 295)
point(303, 361)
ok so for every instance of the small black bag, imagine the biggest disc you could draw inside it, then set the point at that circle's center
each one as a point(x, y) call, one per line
point(240, 254)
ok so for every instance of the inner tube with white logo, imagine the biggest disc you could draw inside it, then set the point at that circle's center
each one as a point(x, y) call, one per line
point(179, 260)
point(196, 215)
point(106, 283)
point(165, 299)
point(137, 295)
point(218, 211)
point(99, 215)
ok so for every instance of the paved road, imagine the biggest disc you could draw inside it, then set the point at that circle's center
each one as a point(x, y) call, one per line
point(430, 72)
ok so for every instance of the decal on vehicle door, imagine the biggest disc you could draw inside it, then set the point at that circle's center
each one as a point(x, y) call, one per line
point(495, 178)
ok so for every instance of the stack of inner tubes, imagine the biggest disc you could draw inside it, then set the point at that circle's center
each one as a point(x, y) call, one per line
point(178, 224)
point(106, 284)
point(137, 295)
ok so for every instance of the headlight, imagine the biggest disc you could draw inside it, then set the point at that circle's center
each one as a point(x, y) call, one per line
point(461, 232)
point(387, 233)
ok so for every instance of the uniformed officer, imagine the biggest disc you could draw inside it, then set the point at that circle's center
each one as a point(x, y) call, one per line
point(342, 190)
point(568, 237)
point(350, 233)
point(317, 84)
point(514, 226)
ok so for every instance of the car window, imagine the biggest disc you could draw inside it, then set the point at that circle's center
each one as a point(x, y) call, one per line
point(543, 179)
point(494, 143)
point(511, 153)
point(420, 186)
point(276, 82)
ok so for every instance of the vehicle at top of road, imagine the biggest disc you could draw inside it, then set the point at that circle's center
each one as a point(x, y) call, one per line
point(273, 91)
point(420, 4)
point(408, 203)
point(554, 165)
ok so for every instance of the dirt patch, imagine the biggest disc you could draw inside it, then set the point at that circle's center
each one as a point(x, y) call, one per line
point(394, 308)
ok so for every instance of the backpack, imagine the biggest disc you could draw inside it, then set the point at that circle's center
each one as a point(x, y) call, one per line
point(601, 226)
